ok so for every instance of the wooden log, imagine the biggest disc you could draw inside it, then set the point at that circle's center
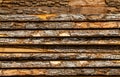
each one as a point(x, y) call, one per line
point(58, 64)
point(29, 10)
point(35, 3)
point(59, 6)
point(58, 25)
point(8, 10)
point(54, 72)
point(60, 49)
point(61, 17)
point(59, 41)
point(58, 56)
point(60, 33)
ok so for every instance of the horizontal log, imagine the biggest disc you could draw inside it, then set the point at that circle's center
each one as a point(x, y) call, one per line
point(60, 48)
point(58, 64)
point(58, 56)
point(52, 2)
point(60, 41)
point(33, 10)
point(5, 9)
point(57, 7)
point(59, 33)
point(61, 17)
point(34, 3)
point(58, 25)
point(52, 72)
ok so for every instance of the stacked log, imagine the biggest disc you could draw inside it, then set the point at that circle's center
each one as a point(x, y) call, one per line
point(60, 38)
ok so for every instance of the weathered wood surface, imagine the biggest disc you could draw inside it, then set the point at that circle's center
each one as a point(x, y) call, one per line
point(59, 6)
point(59, 33)
point(58, 25)
point(52, 72)
point(59, 41)
point(59, 37)
point(59, 64)
point(59, 48)
point(61, 17)
point(52, 56)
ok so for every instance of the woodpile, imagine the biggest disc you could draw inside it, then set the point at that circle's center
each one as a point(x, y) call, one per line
point(60, 38)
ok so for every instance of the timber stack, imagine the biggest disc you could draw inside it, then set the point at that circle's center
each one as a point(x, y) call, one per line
point(60, 38)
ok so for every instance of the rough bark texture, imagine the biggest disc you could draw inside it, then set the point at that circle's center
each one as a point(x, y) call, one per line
point(58, 25)
point(59, 6)
point(113, 3)
point(60, 37)
point(59, 56)
point(61, 17)
point(61, 48)
point(59, 33)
